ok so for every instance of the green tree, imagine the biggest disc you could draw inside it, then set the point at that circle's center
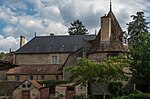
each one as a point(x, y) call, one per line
point(140, 56)
point(2, 55)
point(77, 28)
point(95, 73)
point(137, 26)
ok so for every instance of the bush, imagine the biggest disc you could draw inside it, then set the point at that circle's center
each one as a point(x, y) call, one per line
point(122, 97)
point(135, 96)
point(100, 96)
point(81, 96)
point(139, 96)
point(51, 82)
point(115, 88)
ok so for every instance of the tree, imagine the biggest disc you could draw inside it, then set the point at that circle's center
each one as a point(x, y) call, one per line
point(77, 28)
point(140, 56)
point(137, 26)
point(2, 55)
point(95, 73)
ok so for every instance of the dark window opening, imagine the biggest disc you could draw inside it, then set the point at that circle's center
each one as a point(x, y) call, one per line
point(70, 88)
point(23, 86)
point(28, 85)
point(42, 77)
point(17, 78)
point(31, 77)
point(57, 77)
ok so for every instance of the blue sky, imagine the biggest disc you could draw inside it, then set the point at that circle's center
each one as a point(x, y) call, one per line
point(25, 17)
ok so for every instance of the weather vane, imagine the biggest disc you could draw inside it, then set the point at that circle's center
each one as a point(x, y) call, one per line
point(110, 5)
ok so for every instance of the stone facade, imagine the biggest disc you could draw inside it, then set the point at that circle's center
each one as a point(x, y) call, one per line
point(32, 87)
point(35, 77)
point(33, 59)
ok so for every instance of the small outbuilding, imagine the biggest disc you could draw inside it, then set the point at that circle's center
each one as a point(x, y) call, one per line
point(69, 90)
point(30, 89)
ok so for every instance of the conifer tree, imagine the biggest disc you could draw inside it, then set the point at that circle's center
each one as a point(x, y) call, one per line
point(77, 28)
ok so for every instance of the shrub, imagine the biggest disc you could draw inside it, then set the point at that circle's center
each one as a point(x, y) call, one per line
point(139, 96)
point(135, 96)
point(81, 96)
point(100, 96)
point(122, 97)
point(51, 82)
point(115, 88)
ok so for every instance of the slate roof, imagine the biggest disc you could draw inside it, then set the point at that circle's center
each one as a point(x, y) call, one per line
point(35, 70)
point(115, 44)
point(48, 44)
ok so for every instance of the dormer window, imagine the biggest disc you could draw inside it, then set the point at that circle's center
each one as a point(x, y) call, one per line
point(62, 47)
point(75, 47)
point(37, 48)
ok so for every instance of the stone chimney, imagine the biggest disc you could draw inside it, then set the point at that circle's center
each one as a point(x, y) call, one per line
point(105, 29)
point(22, 41)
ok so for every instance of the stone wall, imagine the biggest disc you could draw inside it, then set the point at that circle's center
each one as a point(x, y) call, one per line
point(97, 57)
point(35, 77)
point(34, 59)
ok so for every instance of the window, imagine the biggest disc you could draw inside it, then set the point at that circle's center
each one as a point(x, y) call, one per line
point(28, 85)
point(31, 77)
point(17, 78)
point(42, 77)
point(75, 47)
point(125, 40)
point(57, 77)
point(23, 86)
point(54, 60)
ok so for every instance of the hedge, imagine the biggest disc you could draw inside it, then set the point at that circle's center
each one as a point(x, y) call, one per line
point(100, 96)
point(135, 96)
point(51, 82)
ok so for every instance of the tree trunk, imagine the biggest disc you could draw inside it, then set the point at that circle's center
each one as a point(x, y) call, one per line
point(104, 95)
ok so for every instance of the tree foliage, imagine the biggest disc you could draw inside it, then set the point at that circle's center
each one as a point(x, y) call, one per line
point(2, 55)
point(77, 28)
point(95, 73)
point(140, 56)
point(137, 26)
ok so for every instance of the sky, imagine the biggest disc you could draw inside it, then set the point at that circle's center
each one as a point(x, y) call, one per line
point(25, 17)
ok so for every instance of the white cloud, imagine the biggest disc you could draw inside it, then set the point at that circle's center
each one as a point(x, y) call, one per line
point(7, 43)
point(55, 16)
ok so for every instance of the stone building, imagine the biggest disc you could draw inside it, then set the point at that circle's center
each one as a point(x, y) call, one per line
point(45, 57)
point(30, 89)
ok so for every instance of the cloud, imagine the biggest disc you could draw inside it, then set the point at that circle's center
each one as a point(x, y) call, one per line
point(24, 17)
point(8, 42)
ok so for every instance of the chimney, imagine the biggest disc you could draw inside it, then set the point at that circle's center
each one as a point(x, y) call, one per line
point(22, 41)
point(52, 34)
point(105, 29)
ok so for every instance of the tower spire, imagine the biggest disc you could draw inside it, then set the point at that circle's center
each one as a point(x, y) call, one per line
point(110, 5)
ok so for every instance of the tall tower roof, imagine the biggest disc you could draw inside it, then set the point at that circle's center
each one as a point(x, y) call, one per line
point(115, 43)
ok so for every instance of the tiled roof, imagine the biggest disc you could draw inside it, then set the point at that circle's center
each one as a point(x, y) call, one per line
point(115, 44)
point(47, 44)
point(35, 69)
point(35, 84)
point(8, 57)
